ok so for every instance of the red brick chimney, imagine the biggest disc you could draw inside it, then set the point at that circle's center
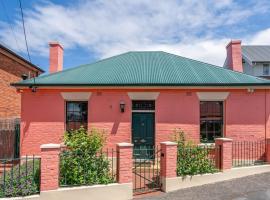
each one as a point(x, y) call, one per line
point(56, 57)
point(234, 56)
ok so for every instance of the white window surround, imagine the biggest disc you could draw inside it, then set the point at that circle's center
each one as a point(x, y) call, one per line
point(143, 95)
point(76, 96)
point(212, 96)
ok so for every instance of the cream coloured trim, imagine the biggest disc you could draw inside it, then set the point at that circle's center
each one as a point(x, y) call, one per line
point(143, 111)
point(76, 96)
point(50, 146)
point(212, 96)
point(143, 95)
point(169, 143)
point(124, 144)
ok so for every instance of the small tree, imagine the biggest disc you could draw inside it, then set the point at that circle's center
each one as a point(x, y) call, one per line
point(83, 163)
point(192, 159)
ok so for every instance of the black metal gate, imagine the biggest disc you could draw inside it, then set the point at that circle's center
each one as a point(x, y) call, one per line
point(146, 170)
point(9, 138)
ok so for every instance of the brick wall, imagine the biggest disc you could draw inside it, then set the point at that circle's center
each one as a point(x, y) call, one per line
point(177, 110)
point(42, 120)
point(10, 72)
point(43, 117)
point(245, 116)
point(104, 113)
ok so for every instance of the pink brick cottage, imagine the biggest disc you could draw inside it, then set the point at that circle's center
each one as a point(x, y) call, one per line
point(141, 97)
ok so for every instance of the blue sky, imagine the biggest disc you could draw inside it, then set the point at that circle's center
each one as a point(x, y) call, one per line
point(92, 30)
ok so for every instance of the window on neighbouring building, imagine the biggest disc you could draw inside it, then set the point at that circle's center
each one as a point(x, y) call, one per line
point(76, 115)
point(211, 120)
point(265, 69)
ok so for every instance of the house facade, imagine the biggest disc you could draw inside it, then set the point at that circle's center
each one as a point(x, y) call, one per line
point(255, 59)
point(12, 68)
point(142, 97)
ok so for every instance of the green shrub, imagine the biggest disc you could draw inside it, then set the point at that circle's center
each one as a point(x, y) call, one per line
point(83, 163)
point(192, 159)
point(22, 180)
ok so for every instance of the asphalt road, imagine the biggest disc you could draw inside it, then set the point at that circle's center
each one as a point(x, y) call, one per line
point(256, 187)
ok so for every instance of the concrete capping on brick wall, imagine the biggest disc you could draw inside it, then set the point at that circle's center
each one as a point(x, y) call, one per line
point(113, 191)
point(176, 183)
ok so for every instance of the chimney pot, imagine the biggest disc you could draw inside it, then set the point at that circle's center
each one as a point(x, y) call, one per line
point(56, 57)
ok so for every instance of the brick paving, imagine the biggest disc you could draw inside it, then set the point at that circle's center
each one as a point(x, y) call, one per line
point(256, 187)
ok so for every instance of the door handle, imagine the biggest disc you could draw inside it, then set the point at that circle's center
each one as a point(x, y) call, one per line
point(142, 141)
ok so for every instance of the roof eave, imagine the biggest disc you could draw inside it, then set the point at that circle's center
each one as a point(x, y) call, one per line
point(144, 85)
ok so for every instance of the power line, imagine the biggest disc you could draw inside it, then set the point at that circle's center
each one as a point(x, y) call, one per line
point(9, 23)
point(26, 44)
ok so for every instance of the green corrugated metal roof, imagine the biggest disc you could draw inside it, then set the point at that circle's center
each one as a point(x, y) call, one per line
point(152, 68)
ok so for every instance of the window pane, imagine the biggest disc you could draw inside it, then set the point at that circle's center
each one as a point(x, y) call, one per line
point(211, 120)
point(265, 69)
point(76, 115)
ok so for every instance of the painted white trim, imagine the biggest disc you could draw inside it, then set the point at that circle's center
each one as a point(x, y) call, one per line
point(143, 111)
point(50, 146)
point(76, 96)
point(212, 96)
point(124, 144)
point(143, 95)
point(169, 143)
point(224, 139)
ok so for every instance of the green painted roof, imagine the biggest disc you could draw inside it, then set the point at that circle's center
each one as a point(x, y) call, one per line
point(152, 68)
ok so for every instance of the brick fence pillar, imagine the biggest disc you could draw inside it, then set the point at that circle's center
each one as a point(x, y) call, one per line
point(49, 175)
point(124, 162)
point(168, 162)
point(268, 150)
point(225, 153)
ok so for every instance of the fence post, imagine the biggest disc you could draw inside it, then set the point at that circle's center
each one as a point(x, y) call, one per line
point(124, 162)
point(49, 175)
point(267, 150)
point(168, 162)
point(225, 159)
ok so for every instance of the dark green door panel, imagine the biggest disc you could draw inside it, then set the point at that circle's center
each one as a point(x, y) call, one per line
point(143, 130)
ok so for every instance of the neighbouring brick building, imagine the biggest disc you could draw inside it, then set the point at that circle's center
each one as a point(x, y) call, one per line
point(12, 68)
point(141, 97)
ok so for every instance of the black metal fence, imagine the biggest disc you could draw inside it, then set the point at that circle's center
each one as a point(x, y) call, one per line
point(146, 169)
point(9, 138)
point(248, 153)
point(202, 159)
point(88, 168)
point(19, 176)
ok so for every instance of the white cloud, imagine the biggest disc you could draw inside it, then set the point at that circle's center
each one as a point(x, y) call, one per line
point(110, 27)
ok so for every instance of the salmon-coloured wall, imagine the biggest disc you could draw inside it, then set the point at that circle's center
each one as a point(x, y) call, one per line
point(245, 116)
point(42, 120)
point(43, 116)
point(177, 110)
point(104, 113)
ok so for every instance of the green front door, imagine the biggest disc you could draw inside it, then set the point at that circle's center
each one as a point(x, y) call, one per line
point(143, 130)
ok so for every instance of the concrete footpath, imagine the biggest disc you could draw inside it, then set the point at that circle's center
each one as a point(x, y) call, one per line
point(255, 187)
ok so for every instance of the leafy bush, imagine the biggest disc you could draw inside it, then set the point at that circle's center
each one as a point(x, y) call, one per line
point(83, 163)
point(193, 159)
point(22, 180)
